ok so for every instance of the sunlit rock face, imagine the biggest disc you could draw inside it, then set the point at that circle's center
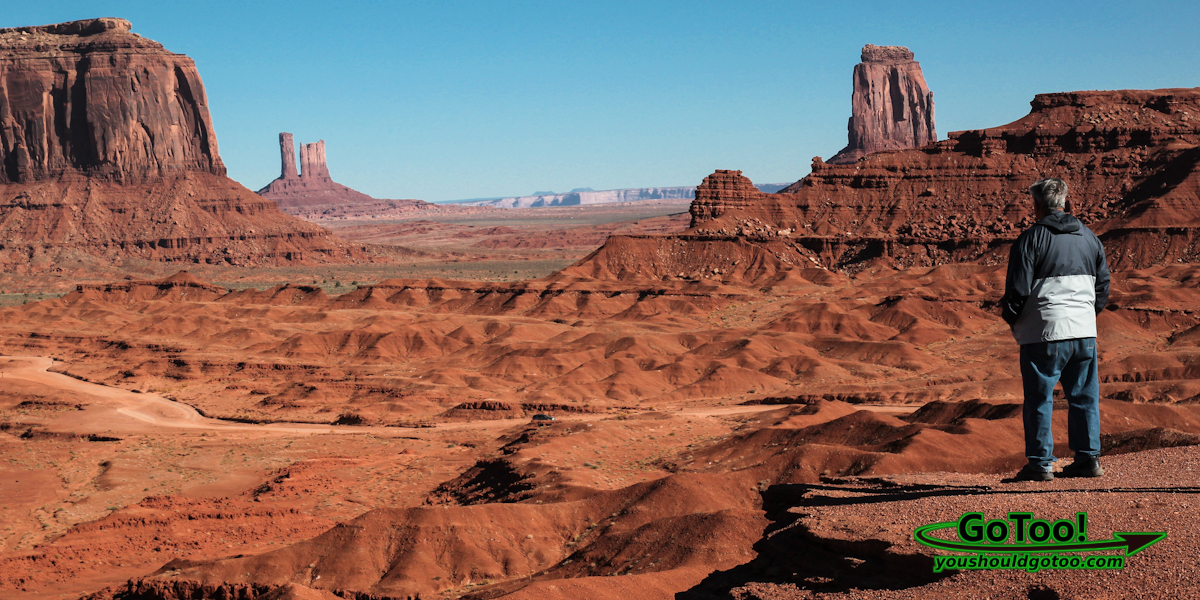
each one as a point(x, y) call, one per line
point(1130, 157)
point(92, 98)
point(107, 151)
point(892, 105)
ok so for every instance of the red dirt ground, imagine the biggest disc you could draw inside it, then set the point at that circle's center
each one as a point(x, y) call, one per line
point(378, 442)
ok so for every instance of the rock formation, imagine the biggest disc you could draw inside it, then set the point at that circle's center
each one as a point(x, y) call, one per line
point(892, 106)
point(584, 197)
point(108, 150)
point(313, 193)
point(287, 155)
point(1131, 159)
point(312, 161)
point(91, 98)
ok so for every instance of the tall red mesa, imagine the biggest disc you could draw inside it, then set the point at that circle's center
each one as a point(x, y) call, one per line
point(107, 151)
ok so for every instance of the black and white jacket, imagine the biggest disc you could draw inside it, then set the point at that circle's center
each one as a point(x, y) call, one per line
point(1057, 281)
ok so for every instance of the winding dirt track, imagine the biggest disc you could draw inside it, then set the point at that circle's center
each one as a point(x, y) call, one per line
point(155, 410)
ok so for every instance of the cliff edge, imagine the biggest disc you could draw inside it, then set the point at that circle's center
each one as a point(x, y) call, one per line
point(108, 152)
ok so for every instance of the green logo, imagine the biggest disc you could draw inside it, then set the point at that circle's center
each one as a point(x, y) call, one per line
point(1023, 542)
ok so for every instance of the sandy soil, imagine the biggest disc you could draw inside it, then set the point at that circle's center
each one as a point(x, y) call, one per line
point(192, 438)
point(85, 458)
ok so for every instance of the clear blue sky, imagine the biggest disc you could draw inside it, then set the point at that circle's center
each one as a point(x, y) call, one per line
point(448, 99)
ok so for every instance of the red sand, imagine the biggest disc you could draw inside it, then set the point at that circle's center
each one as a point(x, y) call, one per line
point(645, 485)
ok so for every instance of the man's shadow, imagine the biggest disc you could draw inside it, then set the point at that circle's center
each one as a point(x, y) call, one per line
point(790, 554)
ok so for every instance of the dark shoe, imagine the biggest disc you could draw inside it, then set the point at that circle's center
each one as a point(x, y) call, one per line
point(1031, 472)
point(1085, 466)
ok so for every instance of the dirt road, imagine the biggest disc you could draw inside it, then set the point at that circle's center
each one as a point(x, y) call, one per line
point(157, 411)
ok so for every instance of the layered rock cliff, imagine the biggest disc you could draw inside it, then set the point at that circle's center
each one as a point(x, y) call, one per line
point(1130, 157)
point(892, 106)
point(91, 98)
point(108, 151)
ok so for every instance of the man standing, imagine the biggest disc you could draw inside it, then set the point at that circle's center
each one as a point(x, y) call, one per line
point(1057, 283)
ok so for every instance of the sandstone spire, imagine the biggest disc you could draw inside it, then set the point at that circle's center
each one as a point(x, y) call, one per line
point(313, 189)
point(287, 154)
point(892, 106)
point(312, 161)
point(314, 192)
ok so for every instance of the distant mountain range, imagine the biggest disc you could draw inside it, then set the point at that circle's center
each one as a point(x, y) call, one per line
point(584, 196)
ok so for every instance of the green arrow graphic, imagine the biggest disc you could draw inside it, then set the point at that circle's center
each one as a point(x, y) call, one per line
point(1131, 541)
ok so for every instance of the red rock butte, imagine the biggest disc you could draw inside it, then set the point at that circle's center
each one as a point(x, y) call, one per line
point(312, 191)
point(108, 150)
point(92, 98)
point(1131, 158)
point(892, 106)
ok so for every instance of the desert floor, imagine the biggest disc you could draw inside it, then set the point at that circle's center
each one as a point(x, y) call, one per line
point(366, 429)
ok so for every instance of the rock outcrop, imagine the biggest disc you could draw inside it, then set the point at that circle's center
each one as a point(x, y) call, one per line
point(287, 155)
point(91, 98)
point(108, 152)
point(312, 162)
point(314, 194)
point(1131, 158)
point(892, 106)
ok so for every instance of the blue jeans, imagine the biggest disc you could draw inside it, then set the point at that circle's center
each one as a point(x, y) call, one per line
point(1042, 365)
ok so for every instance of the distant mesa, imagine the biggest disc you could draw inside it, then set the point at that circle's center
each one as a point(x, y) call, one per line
point(588, 196)
point(580, 198)
point(312, 192)
point(107, 150)
point(892, 107)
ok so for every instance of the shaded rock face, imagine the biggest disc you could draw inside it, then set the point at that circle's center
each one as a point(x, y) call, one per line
point(892, 106)
point(91, 98)
point(108, 152)
point(1131, 159)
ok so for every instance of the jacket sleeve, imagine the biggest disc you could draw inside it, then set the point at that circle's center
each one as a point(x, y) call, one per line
point(1102, 277)
point(1019, 282)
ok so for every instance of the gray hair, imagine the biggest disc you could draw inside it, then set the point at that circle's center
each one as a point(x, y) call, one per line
point(1049, 193)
